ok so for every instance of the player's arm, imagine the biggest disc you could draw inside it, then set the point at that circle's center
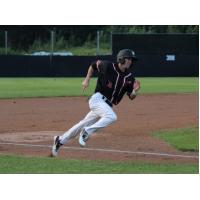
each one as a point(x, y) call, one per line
point(86, 81)
point(136, 87)
point(95, 66)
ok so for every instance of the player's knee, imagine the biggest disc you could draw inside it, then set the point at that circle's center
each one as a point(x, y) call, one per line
point(114, 118)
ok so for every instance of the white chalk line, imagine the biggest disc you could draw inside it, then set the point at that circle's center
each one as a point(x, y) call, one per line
point(102, 150)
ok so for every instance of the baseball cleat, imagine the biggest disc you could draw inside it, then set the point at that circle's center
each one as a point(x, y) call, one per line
point(56, 146)
point(83, 138)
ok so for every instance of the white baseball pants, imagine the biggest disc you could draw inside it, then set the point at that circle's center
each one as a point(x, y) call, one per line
point(100, 116)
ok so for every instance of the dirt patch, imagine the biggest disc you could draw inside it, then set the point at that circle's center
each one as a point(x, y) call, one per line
point(37, 120)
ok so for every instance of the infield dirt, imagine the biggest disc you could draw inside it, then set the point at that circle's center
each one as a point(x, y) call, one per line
point(37, 120)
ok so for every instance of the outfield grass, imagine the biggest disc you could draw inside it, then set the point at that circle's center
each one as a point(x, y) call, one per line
point(10, 164)
point(170, 85)
point(50, 87)
point(184, 139)
point(42, 87)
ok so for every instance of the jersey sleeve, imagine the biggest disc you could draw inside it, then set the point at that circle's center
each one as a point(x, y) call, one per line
point(100, 66)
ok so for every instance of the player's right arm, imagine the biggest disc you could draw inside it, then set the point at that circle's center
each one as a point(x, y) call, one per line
point(95, 66)
point(86, 81)
point(98, 66)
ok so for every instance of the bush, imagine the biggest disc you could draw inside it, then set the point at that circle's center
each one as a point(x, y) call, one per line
point(9, 51)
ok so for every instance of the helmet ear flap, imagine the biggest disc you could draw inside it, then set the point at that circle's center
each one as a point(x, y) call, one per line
point(121, 60)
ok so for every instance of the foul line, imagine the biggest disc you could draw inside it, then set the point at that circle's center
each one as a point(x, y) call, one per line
point(102, 150)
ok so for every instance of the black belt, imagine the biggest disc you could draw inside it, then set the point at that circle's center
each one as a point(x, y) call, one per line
point(107, 101)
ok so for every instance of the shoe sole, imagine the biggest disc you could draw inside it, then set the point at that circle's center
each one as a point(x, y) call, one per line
point(53, 152)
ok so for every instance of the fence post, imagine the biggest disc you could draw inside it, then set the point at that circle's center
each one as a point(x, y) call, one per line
point(52, 41)
point(98, 37)
point(6, 42)
point(52, 45)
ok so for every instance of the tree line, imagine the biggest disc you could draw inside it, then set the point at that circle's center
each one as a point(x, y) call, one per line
point(21, 37)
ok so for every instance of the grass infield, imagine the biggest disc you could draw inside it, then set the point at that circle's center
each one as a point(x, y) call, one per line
point(10, 164)
point(51, 87)
point(184, 139)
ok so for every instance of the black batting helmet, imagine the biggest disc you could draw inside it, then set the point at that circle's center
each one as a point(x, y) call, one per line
point(125, 53)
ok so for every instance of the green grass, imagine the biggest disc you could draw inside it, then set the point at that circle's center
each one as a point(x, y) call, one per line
point(184, 139)
point(86, 49)
point(10, 164)
point(42, 87)
point(49, 87)
point(169, 85)
point(82, 51)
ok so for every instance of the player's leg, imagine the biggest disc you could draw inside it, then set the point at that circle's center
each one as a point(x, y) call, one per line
point(106, 114)
point(107, 117)
point(90, 118)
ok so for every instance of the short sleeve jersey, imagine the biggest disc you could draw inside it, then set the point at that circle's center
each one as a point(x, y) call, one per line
point(112, 82)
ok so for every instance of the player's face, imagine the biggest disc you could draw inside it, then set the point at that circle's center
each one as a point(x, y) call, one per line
point(128, 62)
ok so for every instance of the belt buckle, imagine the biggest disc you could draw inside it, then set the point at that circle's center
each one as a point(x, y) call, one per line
point(104, 98)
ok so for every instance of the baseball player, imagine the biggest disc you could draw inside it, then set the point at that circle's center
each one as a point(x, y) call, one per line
point(114, 80)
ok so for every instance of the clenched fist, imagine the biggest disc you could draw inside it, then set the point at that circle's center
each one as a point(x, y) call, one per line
point(136, 85)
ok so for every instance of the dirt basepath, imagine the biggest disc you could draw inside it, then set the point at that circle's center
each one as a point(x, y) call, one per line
point(35, 121)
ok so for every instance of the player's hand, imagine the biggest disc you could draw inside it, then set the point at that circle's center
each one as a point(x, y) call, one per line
point(136, 85)
point(85, 84)
point(132, 95)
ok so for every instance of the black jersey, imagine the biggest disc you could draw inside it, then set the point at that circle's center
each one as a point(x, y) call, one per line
point(112, 82)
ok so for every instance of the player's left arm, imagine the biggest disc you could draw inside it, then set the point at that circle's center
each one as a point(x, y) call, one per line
point(136, 88)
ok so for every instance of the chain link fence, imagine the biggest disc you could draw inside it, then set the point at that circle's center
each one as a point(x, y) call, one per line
point(52, 42)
